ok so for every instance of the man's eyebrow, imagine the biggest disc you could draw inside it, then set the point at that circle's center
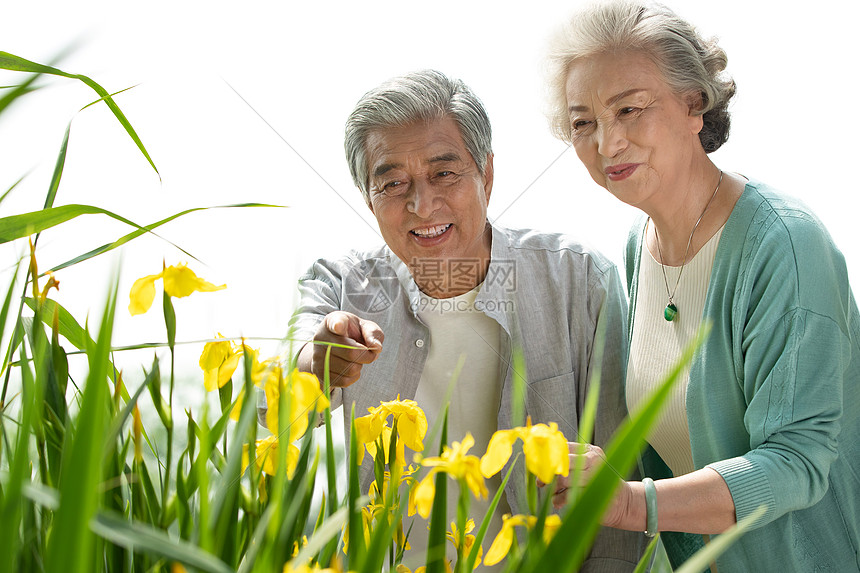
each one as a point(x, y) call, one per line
point(610, 101)
point(384, 168)
point(445, 157)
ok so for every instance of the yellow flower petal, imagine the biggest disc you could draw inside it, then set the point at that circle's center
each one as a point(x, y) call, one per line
point(425, 491)
point(502, 543)
point(218, 362)
point(498, 452)
point(546, 452)
point(142, 294)
point(180, 281)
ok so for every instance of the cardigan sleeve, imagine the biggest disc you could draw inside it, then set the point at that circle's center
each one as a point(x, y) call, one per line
point(790, 321)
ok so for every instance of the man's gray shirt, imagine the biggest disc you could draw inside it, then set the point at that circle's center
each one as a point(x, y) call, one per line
point(546, 291)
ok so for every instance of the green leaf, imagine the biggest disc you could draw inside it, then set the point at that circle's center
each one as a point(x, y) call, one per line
point(139, 537)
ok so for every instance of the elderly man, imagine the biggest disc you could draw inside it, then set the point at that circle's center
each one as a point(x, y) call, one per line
point(447, 284)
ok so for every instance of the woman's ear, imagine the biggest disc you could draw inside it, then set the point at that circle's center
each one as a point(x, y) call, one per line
point(695, 102)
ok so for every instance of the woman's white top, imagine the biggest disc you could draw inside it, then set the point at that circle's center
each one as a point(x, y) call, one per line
point(656, 345)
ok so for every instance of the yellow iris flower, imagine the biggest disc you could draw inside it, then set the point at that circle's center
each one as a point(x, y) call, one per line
point(305, 396)
point(218, 361)
point(179, 281)
point(455, 462)
point(503, 541)
point(454, 537)
point(545, 449)
point(411, 423)
point(266, 456)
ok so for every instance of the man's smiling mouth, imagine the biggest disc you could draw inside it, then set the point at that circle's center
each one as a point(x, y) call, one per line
point(430, 232)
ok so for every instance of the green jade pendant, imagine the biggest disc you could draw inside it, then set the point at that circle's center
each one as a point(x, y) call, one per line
point(670, 312)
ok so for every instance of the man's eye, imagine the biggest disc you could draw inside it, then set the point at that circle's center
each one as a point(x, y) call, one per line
point(392, 188)
point(444, 174)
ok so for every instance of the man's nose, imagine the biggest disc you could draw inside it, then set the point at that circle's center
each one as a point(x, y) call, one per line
point(424, 199)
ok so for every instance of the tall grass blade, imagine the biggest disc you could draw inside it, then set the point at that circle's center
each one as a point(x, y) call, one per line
point(580, 524)
point(330, 530)
point(357, 549)
point(17, 91)
point(69, 327)
point(647, 562)
point(71, 540)
point(11, 188)
point(11, 495)
point(15, 63)
point(330, 464)
point(58, 170)
point(138, 537)
point(488, 517)
point(438, 514)
point(148, 228)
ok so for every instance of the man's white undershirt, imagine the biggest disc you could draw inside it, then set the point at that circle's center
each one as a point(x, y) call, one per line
point(459, 331)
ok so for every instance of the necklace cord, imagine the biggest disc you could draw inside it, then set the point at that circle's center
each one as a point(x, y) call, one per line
point(689, 242)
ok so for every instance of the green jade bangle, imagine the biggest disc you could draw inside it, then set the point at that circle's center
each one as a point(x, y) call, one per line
point(650, 507)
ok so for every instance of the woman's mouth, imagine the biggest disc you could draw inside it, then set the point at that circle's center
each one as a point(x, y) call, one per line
point(620, 171)
point(431, 232)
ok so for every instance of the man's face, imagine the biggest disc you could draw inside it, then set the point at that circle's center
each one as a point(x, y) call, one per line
point(430, 200)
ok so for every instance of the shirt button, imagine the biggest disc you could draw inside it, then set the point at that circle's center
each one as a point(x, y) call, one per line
point(419, 343)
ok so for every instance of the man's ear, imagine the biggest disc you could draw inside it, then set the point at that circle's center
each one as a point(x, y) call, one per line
point(367, 200)
point(488, 176)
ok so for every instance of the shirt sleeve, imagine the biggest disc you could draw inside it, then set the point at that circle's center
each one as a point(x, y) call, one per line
point(319, 294)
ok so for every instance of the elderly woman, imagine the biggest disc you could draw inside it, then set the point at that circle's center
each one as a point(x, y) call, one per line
point(769, 411)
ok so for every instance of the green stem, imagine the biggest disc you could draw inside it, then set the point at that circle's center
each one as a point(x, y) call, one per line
point(462, 516)
point(531, 489)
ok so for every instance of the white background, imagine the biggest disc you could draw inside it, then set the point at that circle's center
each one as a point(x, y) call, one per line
point(302, 66)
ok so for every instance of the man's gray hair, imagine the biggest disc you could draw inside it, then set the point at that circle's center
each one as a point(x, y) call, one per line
point(427, 96)
point(689, 63)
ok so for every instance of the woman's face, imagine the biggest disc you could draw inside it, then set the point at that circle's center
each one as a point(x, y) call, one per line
point(635, 136)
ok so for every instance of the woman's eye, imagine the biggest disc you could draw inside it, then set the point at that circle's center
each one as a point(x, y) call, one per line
point(625, 111)
point(581, 125)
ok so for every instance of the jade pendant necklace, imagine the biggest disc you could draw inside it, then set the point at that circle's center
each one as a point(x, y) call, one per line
point(671, 310)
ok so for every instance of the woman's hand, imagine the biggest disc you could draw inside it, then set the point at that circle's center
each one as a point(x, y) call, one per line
point(590, 458)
